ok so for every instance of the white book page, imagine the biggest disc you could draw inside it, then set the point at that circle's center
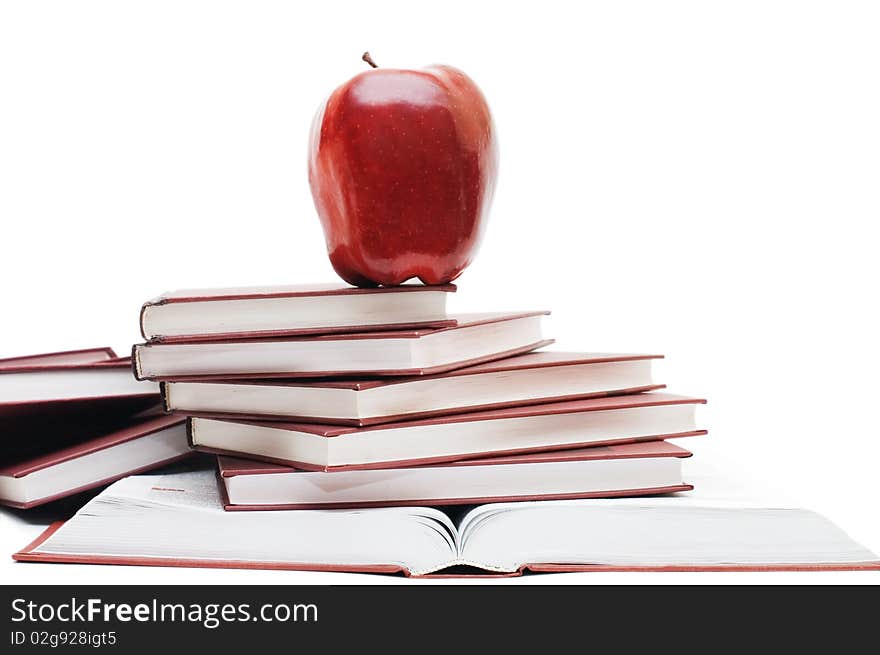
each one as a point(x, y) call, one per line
point(191, 491)
point(727, 520)
point(180, 516)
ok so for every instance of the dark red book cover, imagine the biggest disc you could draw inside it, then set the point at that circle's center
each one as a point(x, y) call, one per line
point(63, 358)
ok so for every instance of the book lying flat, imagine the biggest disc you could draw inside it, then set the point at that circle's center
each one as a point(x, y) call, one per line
point(513, 430)
point(289, 310)
point(92, 461)
point(120, 526)
point(475, 339)
point(599, 472)
point(78, 381)
point(70, 357)
point(530, 379)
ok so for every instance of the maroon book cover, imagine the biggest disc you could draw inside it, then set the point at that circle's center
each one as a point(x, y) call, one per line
point(64, 358)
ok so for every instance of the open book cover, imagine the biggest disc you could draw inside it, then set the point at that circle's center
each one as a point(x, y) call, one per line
point(638, 469)
point(670, 533)
point(291, 310)
point(71, 383)
point(531, 379)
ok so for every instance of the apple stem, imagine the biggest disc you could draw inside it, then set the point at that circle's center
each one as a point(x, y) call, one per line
point(367, 58)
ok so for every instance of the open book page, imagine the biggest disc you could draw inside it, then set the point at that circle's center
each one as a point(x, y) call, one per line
point(180, 517)
point(721, 523)
point(189, 490)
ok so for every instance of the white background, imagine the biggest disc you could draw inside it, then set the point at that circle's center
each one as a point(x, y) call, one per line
point(697, 179)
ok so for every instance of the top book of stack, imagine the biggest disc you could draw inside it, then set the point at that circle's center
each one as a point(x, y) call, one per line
point(294, 310)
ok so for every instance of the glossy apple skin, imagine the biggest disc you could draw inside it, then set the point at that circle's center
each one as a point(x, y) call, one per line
point(402, 168)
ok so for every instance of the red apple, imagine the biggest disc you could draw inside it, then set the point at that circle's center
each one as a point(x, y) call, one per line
point(402, 167)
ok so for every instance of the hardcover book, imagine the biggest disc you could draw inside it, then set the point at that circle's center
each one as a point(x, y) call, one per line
point(92, 461)
point(65, 357)
point(250, 312)
point(530, 379)
point(66, 384)
point(602, 471)
point(552, 426)
point(476, 338)
point(668, 533)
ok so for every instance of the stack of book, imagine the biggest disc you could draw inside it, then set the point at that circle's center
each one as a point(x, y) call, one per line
point(331, 397)
point(370, 430)
point(76, 420)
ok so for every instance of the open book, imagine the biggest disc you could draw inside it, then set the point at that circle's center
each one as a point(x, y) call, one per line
point(178, 520)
